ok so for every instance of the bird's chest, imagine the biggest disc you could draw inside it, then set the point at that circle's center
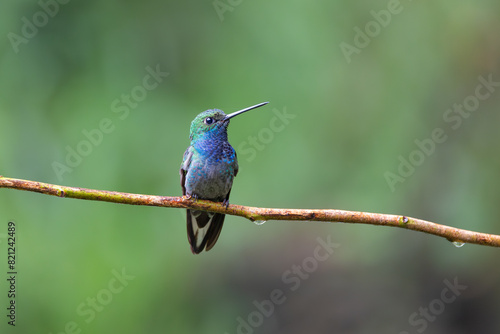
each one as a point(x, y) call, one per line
point(211, 172)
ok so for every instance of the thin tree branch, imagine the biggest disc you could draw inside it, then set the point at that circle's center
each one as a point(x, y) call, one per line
point(456, 235)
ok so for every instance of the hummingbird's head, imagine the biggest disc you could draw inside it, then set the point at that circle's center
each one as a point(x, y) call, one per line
point(209, 123)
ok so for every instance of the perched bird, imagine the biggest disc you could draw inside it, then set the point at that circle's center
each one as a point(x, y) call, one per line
point(207, 172)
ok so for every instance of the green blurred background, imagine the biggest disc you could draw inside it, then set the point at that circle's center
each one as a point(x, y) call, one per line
point(351, 119)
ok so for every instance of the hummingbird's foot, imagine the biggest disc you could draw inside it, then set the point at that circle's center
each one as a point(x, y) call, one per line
point(225, 203)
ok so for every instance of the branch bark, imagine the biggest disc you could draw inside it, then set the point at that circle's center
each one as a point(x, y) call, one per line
point(458, 236)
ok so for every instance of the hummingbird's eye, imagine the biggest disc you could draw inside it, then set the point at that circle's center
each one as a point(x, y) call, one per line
point(209, 120)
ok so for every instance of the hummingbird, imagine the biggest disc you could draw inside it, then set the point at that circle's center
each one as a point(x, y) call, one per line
point(207, 172)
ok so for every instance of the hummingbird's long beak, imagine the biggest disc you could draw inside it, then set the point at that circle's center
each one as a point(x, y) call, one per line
point(236, 113)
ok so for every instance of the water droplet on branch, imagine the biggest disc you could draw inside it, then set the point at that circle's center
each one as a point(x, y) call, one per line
point(260, 222)
point(458, 244)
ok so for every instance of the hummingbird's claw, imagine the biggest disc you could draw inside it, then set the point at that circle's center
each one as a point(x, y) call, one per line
point(225, 203)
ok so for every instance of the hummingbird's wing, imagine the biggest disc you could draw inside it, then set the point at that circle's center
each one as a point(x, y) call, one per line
point(202, 226)
point(186, 161)
point(236, 169)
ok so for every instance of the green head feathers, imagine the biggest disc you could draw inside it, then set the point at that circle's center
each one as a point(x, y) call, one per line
point(208, 123)
point(213, 123)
